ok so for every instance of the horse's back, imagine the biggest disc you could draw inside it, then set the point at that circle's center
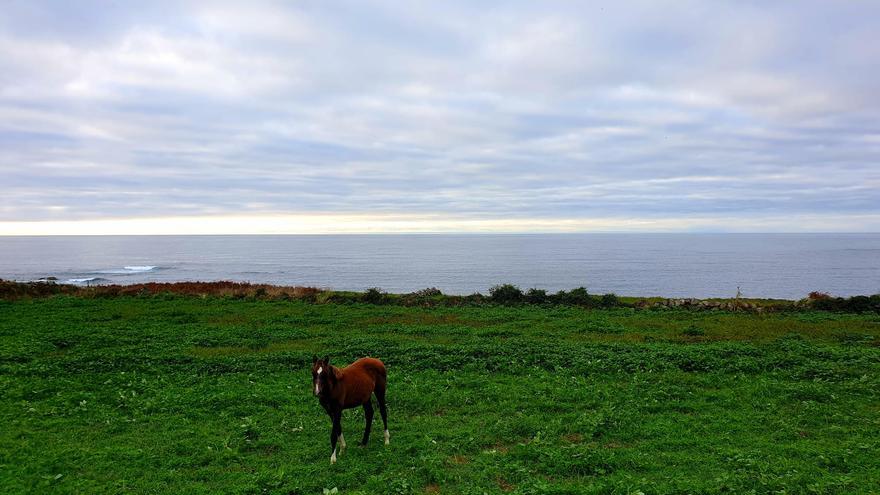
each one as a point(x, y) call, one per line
point(362, 378)
point(370, 366)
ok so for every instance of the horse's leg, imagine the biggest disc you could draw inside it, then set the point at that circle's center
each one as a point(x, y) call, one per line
point(380, 398)
point(368, 416)
point(335, 433)
point(342, 444)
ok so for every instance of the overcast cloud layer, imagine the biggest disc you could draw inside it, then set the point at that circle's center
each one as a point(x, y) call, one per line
point(680, 115)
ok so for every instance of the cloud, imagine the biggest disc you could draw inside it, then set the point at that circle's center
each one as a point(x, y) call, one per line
point(682, 115)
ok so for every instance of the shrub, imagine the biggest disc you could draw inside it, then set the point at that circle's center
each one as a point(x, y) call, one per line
point(374, 295)
point(476, 299)
point(860, 304)
point(429, 292)
point(609, 301)
point(855, 304)
point(425, 297)
point(574, 297)
point(536, 296)
point(506, 294)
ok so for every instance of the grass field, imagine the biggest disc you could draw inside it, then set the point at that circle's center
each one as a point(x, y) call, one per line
point(170, 394)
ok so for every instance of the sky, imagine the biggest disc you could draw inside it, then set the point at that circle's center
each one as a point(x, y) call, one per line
point(509, 116)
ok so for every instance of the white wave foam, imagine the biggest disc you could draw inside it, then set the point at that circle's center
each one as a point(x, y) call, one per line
point(139, 268)
point(85, 280)
point(128, 270)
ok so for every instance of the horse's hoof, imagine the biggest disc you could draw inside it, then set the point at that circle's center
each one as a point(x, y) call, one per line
point(333, 459)
point(387, 438)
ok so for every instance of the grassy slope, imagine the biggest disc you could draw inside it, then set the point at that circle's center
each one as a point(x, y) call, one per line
point(188, 395)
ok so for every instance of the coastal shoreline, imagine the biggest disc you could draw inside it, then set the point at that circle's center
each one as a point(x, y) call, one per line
point(502, 294)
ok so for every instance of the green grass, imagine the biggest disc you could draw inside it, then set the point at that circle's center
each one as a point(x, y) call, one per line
point(207, 395)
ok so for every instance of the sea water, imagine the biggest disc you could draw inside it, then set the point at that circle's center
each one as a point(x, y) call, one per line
point(671, 265)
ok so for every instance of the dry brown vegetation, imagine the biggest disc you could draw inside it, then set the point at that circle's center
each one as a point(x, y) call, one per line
point(15, 290)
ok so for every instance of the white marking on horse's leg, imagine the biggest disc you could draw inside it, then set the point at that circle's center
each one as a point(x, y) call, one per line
point(341, 441)
point(387, 437)
point(333, 457)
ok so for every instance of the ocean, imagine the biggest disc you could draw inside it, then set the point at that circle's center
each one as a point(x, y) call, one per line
point(671, 265)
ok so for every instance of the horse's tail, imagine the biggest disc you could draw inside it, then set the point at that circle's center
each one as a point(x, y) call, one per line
point(381, 374)
point(376, 369)
point(379, 390)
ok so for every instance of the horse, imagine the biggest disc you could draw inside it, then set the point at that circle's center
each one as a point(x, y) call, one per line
point(344, 388)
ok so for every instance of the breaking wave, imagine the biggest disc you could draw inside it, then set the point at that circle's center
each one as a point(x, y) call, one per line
point(86, 280)
point(128, 270)
point(143, 268)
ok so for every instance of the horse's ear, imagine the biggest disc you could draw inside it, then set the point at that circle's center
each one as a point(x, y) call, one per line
point(327, 360)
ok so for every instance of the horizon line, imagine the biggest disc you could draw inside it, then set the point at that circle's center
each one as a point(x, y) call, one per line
point(463, 232)
point(322, 223)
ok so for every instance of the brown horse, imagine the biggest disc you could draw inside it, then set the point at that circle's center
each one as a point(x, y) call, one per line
point(349, 387)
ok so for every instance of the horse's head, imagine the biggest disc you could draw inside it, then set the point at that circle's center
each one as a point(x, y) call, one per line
point(323, 377)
